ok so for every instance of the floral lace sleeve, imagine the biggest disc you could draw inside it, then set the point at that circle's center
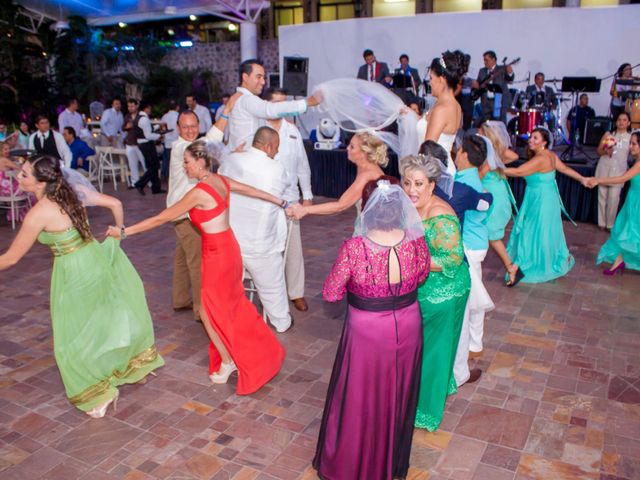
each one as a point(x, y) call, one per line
point(423, 259)
point(445, 242)
point(335, 286)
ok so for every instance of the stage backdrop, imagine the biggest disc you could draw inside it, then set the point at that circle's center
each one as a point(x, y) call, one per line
point(557, 41)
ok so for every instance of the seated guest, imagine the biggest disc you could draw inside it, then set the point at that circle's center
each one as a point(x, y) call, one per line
point(372, 70)
point(49, 142)
point(577, 118)
point(260, 227)
point(23, 136)
point(9, 184)
point(80, 151)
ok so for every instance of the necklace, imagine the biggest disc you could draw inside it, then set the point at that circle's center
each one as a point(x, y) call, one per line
point(203, 178)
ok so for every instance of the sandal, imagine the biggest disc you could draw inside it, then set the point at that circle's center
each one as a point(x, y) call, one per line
point(518, 276)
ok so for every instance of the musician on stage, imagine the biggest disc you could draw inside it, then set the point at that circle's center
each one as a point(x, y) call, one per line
point(618, 91)
point(494, 77)
point(542, 97)
point(539, 95)
point(577, 118)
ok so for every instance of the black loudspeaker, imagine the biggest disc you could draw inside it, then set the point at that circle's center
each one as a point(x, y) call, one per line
point(274, 80)
point(295, 76)
point(595, 128)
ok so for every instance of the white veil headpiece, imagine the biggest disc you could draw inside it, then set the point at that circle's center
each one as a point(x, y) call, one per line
point(83, 188)
point(499, 129)
point(389, 208)
point(357, 105)
point(493, 159)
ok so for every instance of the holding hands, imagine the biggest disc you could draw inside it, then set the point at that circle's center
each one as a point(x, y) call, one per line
point(590, 182)
point(297, 211)
point(115, 232)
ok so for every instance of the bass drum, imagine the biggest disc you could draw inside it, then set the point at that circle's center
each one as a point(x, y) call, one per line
point(527, 121)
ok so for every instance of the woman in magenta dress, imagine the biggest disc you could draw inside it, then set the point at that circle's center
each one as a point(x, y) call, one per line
point(367, 423)
point(240, 340)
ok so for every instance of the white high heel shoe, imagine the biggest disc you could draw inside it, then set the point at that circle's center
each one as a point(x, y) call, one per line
point(222, 375)
point(99, 412)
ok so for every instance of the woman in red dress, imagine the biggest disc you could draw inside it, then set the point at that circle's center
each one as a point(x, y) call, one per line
point(240, 340)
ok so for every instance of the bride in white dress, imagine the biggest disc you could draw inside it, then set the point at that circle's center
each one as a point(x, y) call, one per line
point(442, 122)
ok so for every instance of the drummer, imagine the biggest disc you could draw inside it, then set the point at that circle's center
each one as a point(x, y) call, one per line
point(542, 97)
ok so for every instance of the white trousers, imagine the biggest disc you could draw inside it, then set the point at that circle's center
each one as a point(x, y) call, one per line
point(294, 263)
point(478, 303)
point(608, 201)
point(268, 276)
point(135, 159)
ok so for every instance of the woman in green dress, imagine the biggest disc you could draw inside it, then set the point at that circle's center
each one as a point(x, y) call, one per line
point(623, 247)
point(102, 330)
point(537, 244)
point(494, 181)
point(444, 295)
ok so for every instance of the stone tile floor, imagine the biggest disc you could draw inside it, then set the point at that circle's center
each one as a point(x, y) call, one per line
point(559, 399)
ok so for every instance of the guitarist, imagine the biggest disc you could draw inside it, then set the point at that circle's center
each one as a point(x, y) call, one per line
point(494, 77)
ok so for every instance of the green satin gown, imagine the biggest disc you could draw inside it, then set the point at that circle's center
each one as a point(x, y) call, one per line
point(625, 234)
point(537, 243)
point(442, 298)
point(102, 330)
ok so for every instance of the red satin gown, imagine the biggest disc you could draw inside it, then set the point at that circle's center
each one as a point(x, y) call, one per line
point(250, 342)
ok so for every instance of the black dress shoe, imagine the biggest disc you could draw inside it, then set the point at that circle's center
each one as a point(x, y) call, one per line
point(159, 191)
point(140, 189)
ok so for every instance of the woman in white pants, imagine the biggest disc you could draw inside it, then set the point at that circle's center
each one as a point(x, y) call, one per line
point(614, 152)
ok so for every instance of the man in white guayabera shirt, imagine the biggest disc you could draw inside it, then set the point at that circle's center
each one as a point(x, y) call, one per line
point(251, 112)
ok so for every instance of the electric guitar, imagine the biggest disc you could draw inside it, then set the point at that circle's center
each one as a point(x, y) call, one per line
point(476, 93)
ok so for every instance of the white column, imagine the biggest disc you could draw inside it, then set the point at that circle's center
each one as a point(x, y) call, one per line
point(248, 41)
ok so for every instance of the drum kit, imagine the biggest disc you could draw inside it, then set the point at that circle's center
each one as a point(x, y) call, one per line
point(535, 110)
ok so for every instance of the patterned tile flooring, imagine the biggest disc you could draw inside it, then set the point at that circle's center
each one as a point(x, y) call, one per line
point(559, 399)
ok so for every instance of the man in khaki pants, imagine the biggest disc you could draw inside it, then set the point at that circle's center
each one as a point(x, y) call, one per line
point(186, 265)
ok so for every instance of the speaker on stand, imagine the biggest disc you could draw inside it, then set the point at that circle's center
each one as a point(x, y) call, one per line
point(295, 76)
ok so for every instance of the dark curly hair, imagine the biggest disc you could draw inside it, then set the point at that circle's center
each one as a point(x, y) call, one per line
point(47, 169)
point(456, 65)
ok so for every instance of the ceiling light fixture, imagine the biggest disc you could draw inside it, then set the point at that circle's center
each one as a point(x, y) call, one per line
point(193, 18)
point(122, 24)
point(232, 27)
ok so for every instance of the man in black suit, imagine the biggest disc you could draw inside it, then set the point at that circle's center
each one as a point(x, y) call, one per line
point(374, 71)
point(577, 118)
point(494, 79)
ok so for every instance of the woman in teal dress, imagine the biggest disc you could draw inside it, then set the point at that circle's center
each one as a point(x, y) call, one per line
point(102, 330)
point(494, 181)
point(443, 296)
point(623, 247)
point(537, 244)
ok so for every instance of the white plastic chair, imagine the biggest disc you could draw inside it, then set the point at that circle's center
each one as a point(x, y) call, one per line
point(13, 201)
point(107, 165)
point(250, 287)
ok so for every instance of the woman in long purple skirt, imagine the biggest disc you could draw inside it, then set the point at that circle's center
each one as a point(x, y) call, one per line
point(367, 423)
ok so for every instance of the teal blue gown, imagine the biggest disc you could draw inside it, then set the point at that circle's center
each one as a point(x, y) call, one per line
point(625, 235)
point(502, 206)
point(537, 243)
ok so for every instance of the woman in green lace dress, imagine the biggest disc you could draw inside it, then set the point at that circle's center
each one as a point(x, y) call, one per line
point(102, 330)
point(444, 295)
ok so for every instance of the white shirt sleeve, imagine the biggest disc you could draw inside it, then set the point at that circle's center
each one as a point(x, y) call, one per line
point(63, 149)
point(145, 125)
point(32, 140)
point(303, 170)
point(262, 109)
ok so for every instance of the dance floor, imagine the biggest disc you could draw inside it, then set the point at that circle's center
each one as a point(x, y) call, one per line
point(559, 398)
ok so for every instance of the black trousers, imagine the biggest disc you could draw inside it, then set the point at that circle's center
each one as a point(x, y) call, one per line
point(151, 160)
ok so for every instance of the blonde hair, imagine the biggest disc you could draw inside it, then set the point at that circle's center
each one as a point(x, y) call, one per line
point(428, 165)
point(374, 148)
point(495, 140)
